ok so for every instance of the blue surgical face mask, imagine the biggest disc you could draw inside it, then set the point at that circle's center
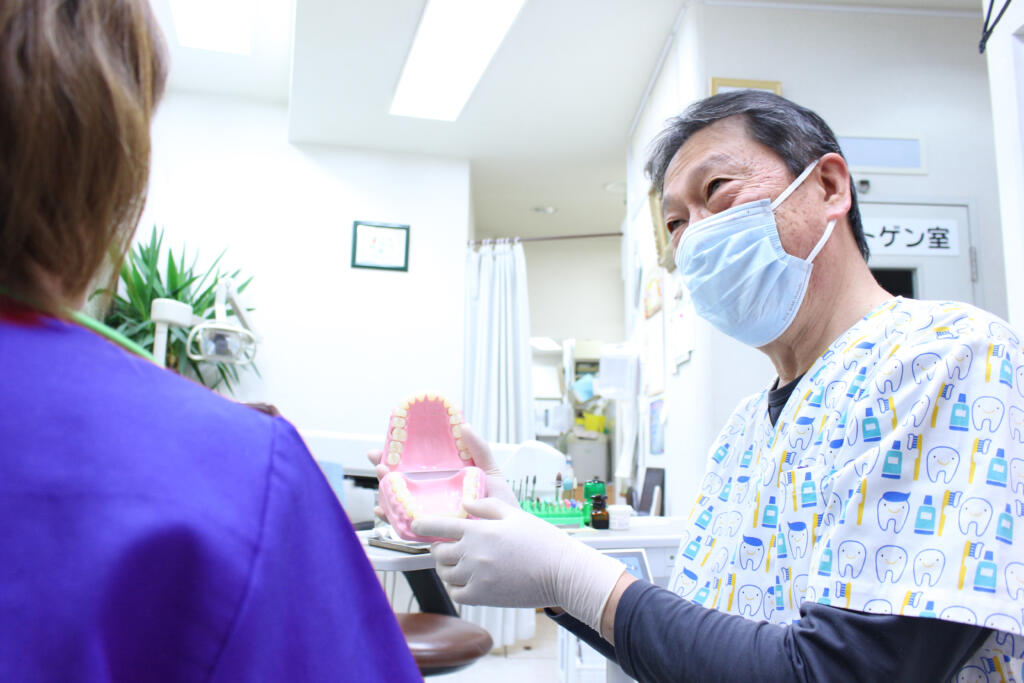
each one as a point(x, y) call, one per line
point(739, 277)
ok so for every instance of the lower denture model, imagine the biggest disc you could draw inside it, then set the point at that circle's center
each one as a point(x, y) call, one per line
point(431, 471)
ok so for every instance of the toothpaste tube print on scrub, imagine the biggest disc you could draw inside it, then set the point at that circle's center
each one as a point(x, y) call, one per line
point(892, 483)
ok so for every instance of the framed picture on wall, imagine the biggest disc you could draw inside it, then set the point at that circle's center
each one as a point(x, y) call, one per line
point(383, 246)
point(662, 239)
point(729, 84)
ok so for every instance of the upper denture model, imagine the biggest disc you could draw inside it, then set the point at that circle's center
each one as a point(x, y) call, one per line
point(431, 471)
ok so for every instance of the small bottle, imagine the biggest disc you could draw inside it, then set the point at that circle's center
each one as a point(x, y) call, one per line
point(925, 523)
point(825, 598)
point(779, 604)
point(985, 575)
point(929, 610)
point(808, 492)
point(857, 383)
point(838, 434)
point(892, 467)
point(817, 397)
point(692, 548)
point(721, 453)
point(1006, 371)
point(705, 517)
point(748, 455)
point(781, 551)
point(825, 566)
point(960, 418)
point(872, 432)
point(997, 469)
point(599, 512)
point(771, 514)
point(726, 490)
point(1004, 526)
point(849, 501)
point(703, 593)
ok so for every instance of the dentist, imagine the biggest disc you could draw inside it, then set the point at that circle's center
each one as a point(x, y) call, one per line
point(887, 416)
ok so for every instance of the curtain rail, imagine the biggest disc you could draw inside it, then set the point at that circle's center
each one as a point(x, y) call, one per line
point(497, 240)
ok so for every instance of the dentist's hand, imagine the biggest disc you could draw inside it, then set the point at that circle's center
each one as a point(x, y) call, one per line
point(510, 558)
point(497, 487)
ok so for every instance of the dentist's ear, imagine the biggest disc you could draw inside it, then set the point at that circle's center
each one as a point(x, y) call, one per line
point(834, 176)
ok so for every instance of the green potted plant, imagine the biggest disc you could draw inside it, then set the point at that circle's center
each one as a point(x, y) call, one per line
point(141, 280)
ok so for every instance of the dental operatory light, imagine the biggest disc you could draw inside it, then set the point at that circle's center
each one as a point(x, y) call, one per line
point(454, 43)
point(215, 25)
point(220, 340)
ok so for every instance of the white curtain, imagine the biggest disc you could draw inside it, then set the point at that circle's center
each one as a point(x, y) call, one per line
point(497, 389)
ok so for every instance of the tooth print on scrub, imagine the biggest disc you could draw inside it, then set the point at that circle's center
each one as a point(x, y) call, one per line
point(892, 481)
point(739, 277)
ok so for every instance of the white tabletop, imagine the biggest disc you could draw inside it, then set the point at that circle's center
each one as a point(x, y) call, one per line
point(644, 532)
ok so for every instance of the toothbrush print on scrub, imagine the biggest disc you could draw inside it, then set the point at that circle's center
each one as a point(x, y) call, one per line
point(431, 471)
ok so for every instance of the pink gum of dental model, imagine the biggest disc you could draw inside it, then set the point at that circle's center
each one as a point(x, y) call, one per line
point(430, 469)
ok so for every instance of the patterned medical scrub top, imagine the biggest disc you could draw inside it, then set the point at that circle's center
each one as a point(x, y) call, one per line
point(892, 483)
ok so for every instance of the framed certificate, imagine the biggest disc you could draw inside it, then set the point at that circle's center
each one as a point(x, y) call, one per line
point(383, 246)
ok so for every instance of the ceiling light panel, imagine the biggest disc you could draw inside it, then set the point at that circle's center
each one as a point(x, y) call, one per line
point(454, 43)
point(215, 25)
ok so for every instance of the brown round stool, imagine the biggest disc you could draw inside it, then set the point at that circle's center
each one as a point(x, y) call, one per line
point(441, 644)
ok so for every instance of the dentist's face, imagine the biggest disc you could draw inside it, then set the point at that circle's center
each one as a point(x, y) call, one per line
point(721, 166)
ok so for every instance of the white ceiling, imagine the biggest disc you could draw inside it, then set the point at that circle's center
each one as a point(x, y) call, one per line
point(546, 125)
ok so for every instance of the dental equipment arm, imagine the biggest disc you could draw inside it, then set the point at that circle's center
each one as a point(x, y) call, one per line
point(164, 313)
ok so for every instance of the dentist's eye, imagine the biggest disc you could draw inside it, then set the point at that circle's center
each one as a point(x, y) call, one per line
point(673, 225)
point(712, 186)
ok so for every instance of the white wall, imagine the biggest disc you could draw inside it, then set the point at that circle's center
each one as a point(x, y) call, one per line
point(575, 289)
point(883, 75)
point(341, 346)
point(1005, 54)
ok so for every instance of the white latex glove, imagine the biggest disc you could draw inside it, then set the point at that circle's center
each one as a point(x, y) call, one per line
point(510, 558)
point(497, 487)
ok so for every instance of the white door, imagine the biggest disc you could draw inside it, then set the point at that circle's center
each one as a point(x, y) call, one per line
point(930, 243)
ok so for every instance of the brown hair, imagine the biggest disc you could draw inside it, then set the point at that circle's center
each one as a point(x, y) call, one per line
point(79, 81)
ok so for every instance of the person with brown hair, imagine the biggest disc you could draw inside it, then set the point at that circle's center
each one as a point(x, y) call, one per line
point(151, 530)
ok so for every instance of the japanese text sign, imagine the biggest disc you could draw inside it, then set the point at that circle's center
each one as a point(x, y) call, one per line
point(912, 236)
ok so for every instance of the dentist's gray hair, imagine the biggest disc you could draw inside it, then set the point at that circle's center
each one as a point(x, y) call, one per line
point(795, 133)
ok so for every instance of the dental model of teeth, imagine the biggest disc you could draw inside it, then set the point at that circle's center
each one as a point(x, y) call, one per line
point(431, 471)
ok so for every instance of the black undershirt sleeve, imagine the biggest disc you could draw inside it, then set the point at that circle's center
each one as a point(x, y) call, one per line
point(662, 637)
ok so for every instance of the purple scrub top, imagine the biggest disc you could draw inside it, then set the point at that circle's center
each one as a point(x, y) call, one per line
point(151, 530)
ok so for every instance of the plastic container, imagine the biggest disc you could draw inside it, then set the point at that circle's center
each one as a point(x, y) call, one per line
point(593, 423)
point(618, 516)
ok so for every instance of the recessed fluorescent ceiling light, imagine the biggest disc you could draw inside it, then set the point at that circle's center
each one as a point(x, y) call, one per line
point(216, 25)
point(453, 46)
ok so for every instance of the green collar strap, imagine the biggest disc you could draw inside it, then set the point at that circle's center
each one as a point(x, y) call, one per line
point(99, 328)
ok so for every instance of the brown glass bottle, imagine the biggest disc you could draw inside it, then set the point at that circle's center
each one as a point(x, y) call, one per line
point(599, 512)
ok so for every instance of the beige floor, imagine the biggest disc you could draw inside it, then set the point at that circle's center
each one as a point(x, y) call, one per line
point(530, 661)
